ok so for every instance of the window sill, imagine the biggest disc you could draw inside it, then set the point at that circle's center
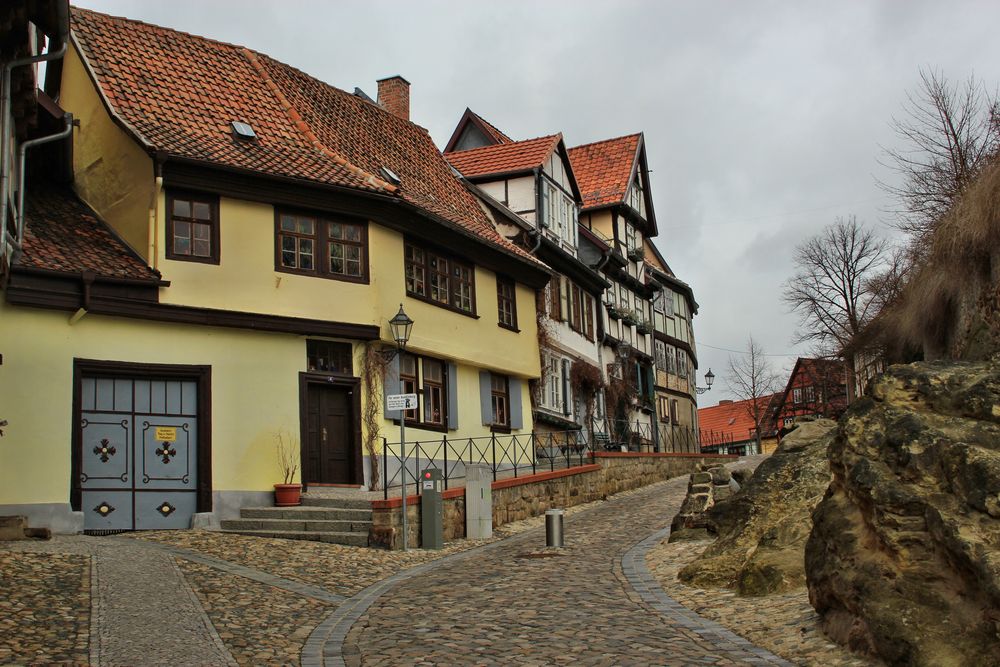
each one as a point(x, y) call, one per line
point(193, 258)
point(508, 327)
point(363, 280)
point(445, 306)
point(423, 426)
point(499, 428)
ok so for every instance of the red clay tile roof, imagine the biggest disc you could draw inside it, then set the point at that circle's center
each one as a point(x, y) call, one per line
point(603, 169)
point(734, 420)
point(179, 93)
point(508, 158)
point(63, 234)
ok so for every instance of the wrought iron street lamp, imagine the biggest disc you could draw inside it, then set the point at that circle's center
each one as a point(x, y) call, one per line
point(709, 379)
point(401, 325)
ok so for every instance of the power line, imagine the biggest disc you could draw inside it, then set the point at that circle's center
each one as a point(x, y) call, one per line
point(726, 349)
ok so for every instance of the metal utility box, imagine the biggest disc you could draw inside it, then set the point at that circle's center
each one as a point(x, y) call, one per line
point(431, 509)
point(478, 502)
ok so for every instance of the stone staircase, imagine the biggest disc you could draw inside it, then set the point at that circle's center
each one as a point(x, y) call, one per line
point(331, 519)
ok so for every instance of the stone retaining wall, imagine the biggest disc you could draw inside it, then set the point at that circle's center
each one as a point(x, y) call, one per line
point(524, 497)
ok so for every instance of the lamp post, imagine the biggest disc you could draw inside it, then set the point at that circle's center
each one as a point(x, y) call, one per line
point(709, 379)
point(400, 326)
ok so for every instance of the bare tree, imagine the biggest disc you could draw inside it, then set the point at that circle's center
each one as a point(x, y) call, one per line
point(948, 132)
point(843, 276)
point(752, 379)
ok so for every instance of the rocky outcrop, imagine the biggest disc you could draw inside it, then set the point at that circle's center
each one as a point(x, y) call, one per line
point(904, 557)
point(711, 484)
point(762, 530)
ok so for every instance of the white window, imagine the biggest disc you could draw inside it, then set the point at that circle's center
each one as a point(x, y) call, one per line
point(552, 391)
point(671, 359)
point(810, 394)
point(682, 365)
point(668, 303)
point(797, 395)
point(660, 355)
point(559, 213)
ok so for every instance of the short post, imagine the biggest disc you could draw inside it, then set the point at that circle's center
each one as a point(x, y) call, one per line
point(554, 527)
point(431, 509)
point(478, 502)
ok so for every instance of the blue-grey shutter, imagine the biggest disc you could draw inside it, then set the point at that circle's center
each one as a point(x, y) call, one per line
point(565, 386)
point(485, 397)
point(452, 396)
point(391, 386)
point(514, 391)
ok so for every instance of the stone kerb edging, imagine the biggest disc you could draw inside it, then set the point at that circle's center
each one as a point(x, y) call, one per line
point(678, 455)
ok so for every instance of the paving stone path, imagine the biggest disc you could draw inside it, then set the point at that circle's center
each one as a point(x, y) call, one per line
point(515, 602)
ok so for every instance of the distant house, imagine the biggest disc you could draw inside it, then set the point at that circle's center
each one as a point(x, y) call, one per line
point(816, 388)
point(728, 428)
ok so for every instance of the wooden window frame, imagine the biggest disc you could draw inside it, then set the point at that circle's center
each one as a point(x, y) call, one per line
point(213, 203)
point(321, 246)
point(442, 387)
point(319, 342)
point(428, 253)
point(507, 283)
point(419, 388)
point(505, 398)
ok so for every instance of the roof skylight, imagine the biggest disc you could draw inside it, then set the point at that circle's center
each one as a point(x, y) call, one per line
point(243, 130)
point(389, 175)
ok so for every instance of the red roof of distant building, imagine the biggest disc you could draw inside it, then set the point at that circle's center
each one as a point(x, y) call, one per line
point(603, 169)
point(179, 93)
point(507, 158)
point(733, 420)
point(63, 234)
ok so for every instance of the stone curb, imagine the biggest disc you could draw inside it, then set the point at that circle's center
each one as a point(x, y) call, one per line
point(297, 587)
point(642, 581)
point(203, 617)
point(325, 646)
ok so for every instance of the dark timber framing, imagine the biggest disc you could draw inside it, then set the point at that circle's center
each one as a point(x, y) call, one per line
point(201, 374)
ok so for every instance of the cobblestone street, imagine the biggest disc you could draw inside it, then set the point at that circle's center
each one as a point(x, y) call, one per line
point(201, 598)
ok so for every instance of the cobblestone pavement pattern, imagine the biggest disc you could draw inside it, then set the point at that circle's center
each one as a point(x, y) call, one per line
point(517, 603)
point(791, 629)
point(44, 608)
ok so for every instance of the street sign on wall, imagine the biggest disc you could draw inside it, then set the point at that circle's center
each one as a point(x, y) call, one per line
point(401, 401)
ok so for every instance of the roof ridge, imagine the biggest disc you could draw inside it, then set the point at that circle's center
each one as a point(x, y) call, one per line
point(556, 136)
point(85, 10)
point(496, 129)
point(303, 127)
point(607, 141)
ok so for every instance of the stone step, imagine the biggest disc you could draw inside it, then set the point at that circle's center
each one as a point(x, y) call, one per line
point(336, 501)
point(13, 527)
point(306, 513)
point(349, 539)
point(309, 526)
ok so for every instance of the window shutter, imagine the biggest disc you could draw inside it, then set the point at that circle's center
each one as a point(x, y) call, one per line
point(565, 386)
point(452, 396)
point(514, 391)
point(391, 386)
point(563, 299)
point(485, 397)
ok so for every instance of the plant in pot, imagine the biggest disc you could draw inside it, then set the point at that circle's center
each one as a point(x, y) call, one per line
point(287, 494)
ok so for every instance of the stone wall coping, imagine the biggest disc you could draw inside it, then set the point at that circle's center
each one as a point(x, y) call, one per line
point(676, 455)
point(414, 499)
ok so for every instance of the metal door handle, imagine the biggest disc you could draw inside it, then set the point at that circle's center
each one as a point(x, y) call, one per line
point(324, 434)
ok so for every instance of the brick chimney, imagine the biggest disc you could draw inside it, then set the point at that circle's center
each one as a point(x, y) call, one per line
point(394, 96)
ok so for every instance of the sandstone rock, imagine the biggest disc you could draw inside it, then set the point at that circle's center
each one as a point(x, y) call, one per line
point(741, 474)
point(701, 478)
point(720, 476)
point(763, 528)
point(904, 557)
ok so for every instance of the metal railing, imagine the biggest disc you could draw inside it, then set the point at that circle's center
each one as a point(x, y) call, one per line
point(507, 455)
point(640, 436)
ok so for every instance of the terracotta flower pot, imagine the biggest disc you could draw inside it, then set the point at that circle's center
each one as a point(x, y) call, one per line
point(287, 495)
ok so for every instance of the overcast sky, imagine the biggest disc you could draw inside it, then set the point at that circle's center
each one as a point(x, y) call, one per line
point(763, 120)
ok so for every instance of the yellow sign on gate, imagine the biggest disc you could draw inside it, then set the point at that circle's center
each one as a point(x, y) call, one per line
point(166, 433)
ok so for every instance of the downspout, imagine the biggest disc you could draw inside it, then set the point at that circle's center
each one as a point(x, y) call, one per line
point(18, 238)
point(153, 230)
point(537, 231)
point(5, 119)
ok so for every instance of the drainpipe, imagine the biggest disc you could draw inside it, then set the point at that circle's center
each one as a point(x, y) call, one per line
point(153, 231)
point(18, 237)
point(6, 121)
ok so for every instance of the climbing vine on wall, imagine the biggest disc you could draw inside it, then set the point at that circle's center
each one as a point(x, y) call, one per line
point(586, 380)
point(374, 366)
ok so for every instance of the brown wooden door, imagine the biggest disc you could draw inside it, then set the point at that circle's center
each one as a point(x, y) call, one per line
point(328, 456)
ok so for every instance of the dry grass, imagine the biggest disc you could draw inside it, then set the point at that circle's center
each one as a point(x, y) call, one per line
point(954, 290)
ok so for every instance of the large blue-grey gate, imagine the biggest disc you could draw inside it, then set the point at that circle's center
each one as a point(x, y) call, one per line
point(138, 464)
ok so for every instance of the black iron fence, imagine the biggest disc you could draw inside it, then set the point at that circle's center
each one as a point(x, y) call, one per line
point(513, 455)
point(506, 455)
